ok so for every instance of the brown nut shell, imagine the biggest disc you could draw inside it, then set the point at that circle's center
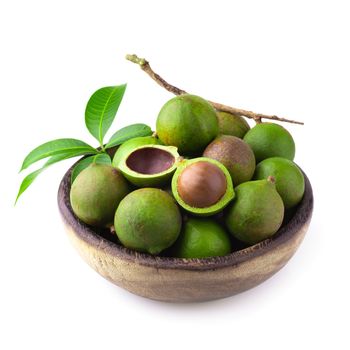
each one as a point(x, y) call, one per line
point(202, 184)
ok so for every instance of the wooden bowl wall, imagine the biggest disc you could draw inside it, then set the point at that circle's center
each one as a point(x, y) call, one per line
point(185, 280)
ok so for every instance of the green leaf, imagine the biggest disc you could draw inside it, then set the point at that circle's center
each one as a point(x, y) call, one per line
point(101, 110)
point(59, 157)
point(102, 158)
point(56, 147)
point(127, 133)
point(28, 180)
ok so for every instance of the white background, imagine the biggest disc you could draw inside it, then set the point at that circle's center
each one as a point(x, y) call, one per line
point(290, 58)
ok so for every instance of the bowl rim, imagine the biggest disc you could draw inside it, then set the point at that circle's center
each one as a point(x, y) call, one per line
point(93, 238)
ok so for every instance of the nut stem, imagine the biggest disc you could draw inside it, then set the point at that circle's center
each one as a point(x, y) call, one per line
point(271, 179)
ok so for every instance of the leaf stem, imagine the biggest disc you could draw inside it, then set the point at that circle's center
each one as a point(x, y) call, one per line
point(145, 66)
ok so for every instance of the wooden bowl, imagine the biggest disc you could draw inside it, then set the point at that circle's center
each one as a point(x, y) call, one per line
point(185, 280)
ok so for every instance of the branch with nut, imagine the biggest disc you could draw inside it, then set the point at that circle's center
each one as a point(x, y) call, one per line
point(145, 66)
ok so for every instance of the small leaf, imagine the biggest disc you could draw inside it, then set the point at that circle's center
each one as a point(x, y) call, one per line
point(102, 158)
point(28, 180)
point(55, 147)
point(101, 110)
point(127, 133)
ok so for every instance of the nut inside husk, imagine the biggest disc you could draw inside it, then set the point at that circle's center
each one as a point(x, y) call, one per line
point(202, 186)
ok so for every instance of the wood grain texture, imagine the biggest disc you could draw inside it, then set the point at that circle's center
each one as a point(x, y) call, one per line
point(185, 280)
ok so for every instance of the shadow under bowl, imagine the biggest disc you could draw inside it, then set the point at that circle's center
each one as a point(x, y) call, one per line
point(184, 280)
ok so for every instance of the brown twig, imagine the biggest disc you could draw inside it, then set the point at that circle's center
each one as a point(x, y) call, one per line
point(145, 66)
